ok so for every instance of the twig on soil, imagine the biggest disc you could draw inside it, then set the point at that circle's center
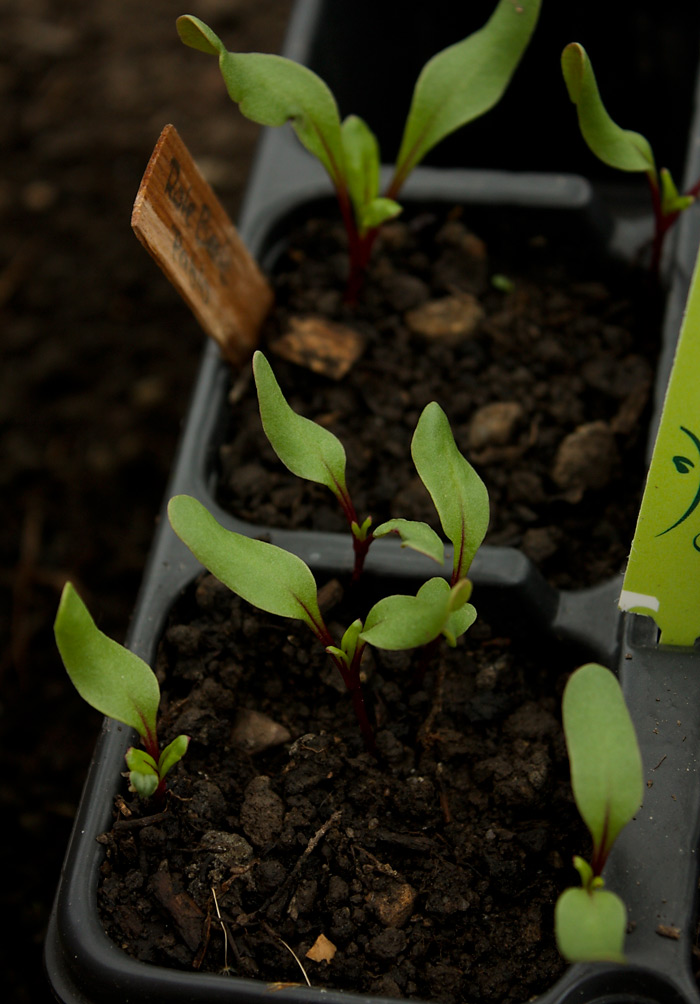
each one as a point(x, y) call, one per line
point(138, 824)
point(290, 950)
point(223, 928)
point(444, 798)
point(380, 866)
point(277, 899)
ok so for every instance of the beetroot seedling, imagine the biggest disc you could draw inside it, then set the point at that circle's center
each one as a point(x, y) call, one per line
point(120, 685)
point(622, 148)
point(606, 777)
point(280, 583)
point(314, 453)
point(455, 87)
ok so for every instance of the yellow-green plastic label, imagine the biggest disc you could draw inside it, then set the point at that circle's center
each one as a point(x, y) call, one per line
point(663, 572)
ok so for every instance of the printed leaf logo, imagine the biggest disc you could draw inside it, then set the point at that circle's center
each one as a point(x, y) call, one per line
point(684, 465)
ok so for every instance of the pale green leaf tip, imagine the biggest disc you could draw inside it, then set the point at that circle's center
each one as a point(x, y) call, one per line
point(176, 505)
point(573, 61)
point(197, 35)
point(68, 593)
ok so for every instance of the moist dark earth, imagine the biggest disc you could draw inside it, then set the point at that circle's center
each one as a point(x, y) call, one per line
point(430, 870)
point(544, 365)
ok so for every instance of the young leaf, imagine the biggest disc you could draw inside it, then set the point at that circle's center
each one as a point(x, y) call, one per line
point(361, 530)
point(361, 152)
point(143, 772)
point(304, 447)
point(345, 652)
point(172, 754)
point(463, 81)
point(590, 926)
point(264, 575)
point(606, 766)
point(401, 622)
point(459, 621)
point(418, 536)
point(619, 148)
point(671, 200)
point(272, 90)
point(457, 491)
point(106, 675)
point(376, 212)
point(141, 761)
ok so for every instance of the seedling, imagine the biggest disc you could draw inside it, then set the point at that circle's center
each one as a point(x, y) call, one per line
point(456, 86)
point(606, 777)
point(280, 583)
point(119, 684)
point(621, 148)
point(312, 452)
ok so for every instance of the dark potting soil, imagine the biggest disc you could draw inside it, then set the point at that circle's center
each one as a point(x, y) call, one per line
point(429, 872)
point(544, 370)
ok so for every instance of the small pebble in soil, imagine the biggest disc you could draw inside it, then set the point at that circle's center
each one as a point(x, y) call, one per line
point(262, 811)
point(586, 459)
point(494, 424)
point(452, 317)
point(255, 732)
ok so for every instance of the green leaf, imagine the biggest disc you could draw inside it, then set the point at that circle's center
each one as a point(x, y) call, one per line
point(106, 675)
point(588, 879)
point(459, 622)
point(264, 575)
point(378, 211)
point(606, 766)
point(172, 754)
point(360, 531)
point(401, 622)
point(464, 81)
point(671, 200)
point(197, 35)
point(418, 536)
point(141, 761)
point(143, 772)
point(590, 926)
point(144, 784)
point(304, 447)
point(348, 644)
point(619, 148)
point(272, 90)
point(457, 491)
point(361, 152)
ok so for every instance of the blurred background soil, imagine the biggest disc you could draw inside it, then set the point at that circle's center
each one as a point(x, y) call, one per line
point(98, 358)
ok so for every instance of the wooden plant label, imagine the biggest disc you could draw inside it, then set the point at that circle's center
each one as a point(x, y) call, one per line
point(182, 224)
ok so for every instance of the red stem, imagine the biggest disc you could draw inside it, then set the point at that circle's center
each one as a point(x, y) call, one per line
point(663, 221)
point(360, 547)
point(150, 743)
point(359, 260)
point(361, 246)
point(351, 679)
